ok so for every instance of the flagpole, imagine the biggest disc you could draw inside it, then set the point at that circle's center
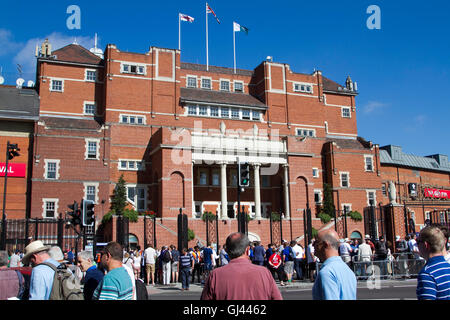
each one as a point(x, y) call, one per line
point(207, 58)
point(179, 31)
point(234, 48)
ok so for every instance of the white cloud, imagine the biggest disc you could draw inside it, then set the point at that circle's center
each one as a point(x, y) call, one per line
point(373, 106)
point(7, 43)
point(26, 55)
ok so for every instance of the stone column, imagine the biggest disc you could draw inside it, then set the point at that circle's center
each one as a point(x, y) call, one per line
point(286, 190)
point(223, 191)
point(256, 167)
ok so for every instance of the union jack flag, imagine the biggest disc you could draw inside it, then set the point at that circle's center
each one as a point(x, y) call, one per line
point(209, 10)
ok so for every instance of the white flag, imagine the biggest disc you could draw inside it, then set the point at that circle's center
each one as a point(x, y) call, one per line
point(185, 17)
point(236, 26)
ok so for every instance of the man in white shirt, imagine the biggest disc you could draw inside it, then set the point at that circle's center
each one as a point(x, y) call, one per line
point(150, 256)
point(345, 249)
point(298, 251)
point(14, 260)
point(364, 256)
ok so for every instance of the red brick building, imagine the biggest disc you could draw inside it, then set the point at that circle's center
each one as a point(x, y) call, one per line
point(175, 131)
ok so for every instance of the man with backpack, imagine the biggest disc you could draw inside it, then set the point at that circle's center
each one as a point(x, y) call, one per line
point(288, 258)
point(166, 259)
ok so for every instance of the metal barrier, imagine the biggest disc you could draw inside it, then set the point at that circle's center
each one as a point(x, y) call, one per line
point(397, 266)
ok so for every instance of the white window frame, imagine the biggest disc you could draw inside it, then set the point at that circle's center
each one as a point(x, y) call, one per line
point(191, 77)
point(349, 112)
point(241, 83)
point(256, 112)
point(130, 64)
point(218, 112)
point(346, 205)
point(220, 85)
point(210, 83)
point(86, 75)
point(44, 207)
point(249, 114)
point(205, 108)
point(228, 112)
point(46, 162)
point(348, 178)
point(62, 85)
point(91, 184)
point(87, 140)
point(368, 191)
point(317, 171)
point(130, 168)
point(85, 103)
point(144, 119)
point(365, 163)
point(308, 130)
point(305, 84)
point(319, 192)
point(134, 202)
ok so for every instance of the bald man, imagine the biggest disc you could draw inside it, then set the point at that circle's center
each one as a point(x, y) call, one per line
point(335, 280)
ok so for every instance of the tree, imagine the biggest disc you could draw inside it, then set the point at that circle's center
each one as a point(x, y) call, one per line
point(119, 199)
point(327, 211)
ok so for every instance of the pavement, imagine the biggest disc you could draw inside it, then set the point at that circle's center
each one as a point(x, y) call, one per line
point(295, 285)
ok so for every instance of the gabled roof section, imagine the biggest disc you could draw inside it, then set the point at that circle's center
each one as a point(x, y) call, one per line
point(332, 86)
point(393, 155)
point(19, 104)
point(76, 54)
point(220, 98)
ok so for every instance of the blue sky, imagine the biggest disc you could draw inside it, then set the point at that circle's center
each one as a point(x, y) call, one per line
point(402, 69)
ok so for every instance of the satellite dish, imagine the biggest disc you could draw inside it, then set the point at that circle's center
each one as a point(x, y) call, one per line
point(30, 83)
point(20, 82)
point(2, 80)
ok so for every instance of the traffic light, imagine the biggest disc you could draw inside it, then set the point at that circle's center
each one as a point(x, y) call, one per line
point(88, 213)
point(13, 151)
point(244, 174)
point(74, 214)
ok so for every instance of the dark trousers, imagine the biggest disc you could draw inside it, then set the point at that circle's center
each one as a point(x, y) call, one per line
point(184, 273)
point(279, 271)
point(259, 263)
point(198, 270)
point(298, 268)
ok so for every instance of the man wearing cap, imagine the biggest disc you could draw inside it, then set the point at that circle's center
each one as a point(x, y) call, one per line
point(41, 281)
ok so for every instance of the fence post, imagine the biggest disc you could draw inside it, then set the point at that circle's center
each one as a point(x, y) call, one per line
point(36, 229)
point(4, 232)
point(60, 231)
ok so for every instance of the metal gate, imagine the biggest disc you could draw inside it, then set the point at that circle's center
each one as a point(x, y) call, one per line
point(340, 223)
point(150, 232)
point(122, 232)
point(378, 221)
point(276, 228)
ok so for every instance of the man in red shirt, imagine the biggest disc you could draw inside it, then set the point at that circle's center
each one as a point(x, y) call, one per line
point(240, 279)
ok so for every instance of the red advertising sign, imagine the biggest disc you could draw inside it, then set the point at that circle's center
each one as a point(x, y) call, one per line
point(14, 169)
point(436, 193)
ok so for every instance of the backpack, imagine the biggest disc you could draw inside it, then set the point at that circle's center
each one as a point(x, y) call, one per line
point(175, 255)
point(166, 257)
point(141, 290)
point(292, 255)
point(65, 285)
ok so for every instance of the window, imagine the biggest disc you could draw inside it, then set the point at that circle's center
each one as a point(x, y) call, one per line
point(368, 163)
point(206, 83)
point(238, 86)
point(265, 179)
point(371, 198)
point(50, 208)
point(318, 196)
point(246, 114)
point(315, 172)
point(90, 108)
point(131, 165)
point(224, 85)
point(91, 75)
point(383, 189)
point(203, 111)
point(91, 192)
point(346, 113)
point(132, 68)
point(132, 119)
point(214, 111)
point(56, 85)
point(306, 132)
point(346, 207)
point(224, 112)
point(137, 197)
point(303, 87)
point(215, 179)
point(191, 82)
point(92, 149)
point(255, 115)
point(345, 183)
point(235, 113)
point(51, 168)
point(203, 178)
point(192, 110)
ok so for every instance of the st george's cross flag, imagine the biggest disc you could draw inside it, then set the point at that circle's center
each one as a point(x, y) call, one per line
point(237, 27)
point(185, 17)
point(209, 10)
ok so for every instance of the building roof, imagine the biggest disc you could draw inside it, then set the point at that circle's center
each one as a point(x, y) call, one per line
point(355, 144)
point(19, 104)
point(220, 97)
point(393, 155)
point(75, 53)
point(74, 124)
point(330, 85)
point(202, 67)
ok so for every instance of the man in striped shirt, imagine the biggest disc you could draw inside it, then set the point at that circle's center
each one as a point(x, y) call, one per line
point(116, 284)
point(433, 281)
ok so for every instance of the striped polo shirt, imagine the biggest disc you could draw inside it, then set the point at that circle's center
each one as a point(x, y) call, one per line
point(185, 261)
point(433, 282)
point(116, 285)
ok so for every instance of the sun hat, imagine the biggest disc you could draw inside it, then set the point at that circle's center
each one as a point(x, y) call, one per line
point(32, 248)
point(367, 236)
point(55, 252)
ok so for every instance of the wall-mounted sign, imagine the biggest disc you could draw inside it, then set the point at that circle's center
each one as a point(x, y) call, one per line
point(436, 193)
point(14, 169)
point(412, 189)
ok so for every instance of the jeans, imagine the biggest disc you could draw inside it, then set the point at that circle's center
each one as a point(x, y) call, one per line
point(298, 268)
point(184, 273)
